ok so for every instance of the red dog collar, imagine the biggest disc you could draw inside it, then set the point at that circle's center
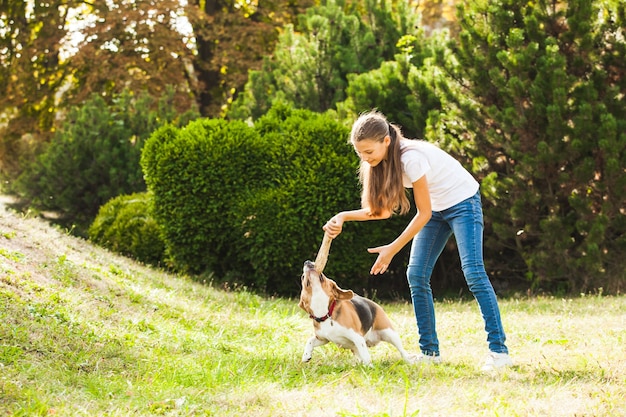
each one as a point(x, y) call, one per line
point(327, 316)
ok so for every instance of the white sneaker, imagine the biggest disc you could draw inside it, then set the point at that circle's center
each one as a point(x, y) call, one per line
point(422, 358)
point(496, 360)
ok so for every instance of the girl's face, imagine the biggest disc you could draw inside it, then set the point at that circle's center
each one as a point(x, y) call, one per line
point(372, 151)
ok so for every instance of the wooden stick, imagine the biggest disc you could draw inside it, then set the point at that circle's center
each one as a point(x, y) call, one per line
point(322, 255)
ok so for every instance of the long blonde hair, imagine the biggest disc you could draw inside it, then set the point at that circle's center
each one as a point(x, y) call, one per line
point(383, 189)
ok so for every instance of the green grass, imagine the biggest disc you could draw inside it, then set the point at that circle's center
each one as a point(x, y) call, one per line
point(84, 332)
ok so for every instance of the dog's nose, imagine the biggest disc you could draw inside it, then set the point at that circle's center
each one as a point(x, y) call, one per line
point(309, 265)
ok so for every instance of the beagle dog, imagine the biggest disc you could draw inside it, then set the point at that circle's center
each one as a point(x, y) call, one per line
point(344, 318)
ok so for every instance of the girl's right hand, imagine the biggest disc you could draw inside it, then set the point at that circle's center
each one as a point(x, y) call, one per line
point(334, 226)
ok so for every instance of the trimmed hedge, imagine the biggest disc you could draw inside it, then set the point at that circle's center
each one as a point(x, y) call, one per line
point(198, 176)
point(248, 203)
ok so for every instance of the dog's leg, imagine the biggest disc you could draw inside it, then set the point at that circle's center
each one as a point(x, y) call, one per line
point(360, 350)
point(311, 344)
point(390, 336)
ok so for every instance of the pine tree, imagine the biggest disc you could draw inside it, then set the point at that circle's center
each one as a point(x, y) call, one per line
point(544, 86)
point(311, 62)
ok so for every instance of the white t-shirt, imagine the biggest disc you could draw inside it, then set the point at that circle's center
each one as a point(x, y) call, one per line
point(448, 182)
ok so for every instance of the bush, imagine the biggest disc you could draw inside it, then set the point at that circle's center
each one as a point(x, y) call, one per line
point(249, 203)
point(125, 225)
point(313, 170)
point(199, 175)
point(95, 156)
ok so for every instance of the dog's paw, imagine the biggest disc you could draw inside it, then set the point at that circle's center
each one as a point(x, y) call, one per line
point(367, 363)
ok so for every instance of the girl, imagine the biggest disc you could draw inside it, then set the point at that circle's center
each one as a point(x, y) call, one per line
point(448, 201)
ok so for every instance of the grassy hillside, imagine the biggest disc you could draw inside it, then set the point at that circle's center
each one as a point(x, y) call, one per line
point(84, 332)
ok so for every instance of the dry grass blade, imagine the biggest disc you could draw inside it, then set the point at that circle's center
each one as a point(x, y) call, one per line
point(322, 254)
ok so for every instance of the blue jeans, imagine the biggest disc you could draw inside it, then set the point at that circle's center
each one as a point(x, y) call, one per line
point(465, 220)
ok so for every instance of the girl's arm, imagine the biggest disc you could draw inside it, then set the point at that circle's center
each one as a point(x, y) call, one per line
point(334, 226)
point(424, 212)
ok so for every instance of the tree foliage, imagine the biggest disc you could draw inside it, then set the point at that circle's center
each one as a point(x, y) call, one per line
point(55, 54)
point(31, 72)
point(231, 38)
point(405, 88)
point(310, 66)
point(95, 156)
point(136, 46)
point(547, 85)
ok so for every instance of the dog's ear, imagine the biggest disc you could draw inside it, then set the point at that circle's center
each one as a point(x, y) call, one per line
point(303, 302)
point(339, 293)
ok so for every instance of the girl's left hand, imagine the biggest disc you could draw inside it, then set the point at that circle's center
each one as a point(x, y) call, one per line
point(334, 226)
point(385, 255)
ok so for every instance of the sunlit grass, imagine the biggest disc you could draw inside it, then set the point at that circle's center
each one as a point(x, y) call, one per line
point(84, 332)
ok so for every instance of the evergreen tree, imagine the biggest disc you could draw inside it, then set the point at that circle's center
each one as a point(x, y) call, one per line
point(310, 65)
point(95, 156)
point(544, 95)
point(405, 89)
